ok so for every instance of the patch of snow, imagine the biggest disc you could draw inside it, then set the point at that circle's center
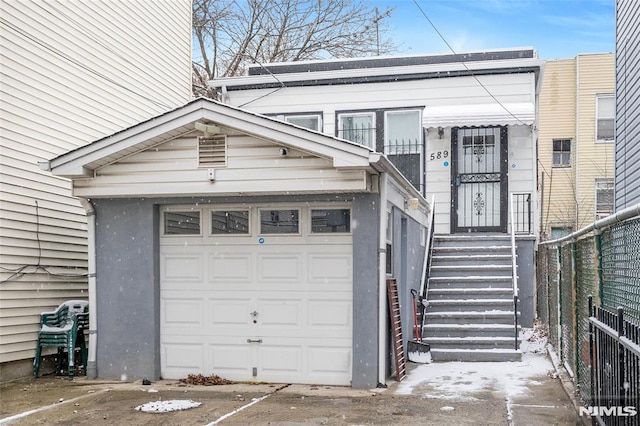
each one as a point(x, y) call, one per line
point(460, 381)
point(167, 406)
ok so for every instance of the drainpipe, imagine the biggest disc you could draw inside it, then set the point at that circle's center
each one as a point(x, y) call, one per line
point(92, 370)
point(382, 292)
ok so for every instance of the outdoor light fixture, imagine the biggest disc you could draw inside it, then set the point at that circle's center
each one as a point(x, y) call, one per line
point(207, 129)
point(283, 152)
point(411, 204)
point(440, 132)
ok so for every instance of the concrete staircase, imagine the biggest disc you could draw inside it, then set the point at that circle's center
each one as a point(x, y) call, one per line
point(470, 312)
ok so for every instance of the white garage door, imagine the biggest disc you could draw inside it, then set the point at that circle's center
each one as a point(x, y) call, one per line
point(259, 293)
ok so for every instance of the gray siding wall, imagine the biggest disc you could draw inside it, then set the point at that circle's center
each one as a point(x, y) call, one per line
point(627, 186)
point(128, 284)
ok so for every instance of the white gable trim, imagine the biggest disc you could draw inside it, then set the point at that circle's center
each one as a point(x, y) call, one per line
point(84, 161)
point(479, 115)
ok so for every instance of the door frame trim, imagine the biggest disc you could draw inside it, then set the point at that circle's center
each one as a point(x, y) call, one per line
point(504, 182)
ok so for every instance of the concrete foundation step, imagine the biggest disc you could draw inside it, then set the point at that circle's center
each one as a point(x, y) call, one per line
point(476, 355)
point(470, 305)
point(489, 281)
point(472, 342)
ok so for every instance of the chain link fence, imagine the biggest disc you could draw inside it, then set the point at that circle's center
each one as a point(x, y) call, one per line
point(605, 266)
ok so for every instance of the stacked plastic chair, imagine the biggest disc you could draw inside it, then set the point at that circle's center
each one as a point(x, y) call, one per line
point(64, 329)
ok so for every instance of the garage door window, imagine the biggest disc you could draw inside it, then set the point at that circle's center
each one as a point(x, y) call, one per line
point(328, 221)
point(225, 222)
point(182, 223)
point(279, 221)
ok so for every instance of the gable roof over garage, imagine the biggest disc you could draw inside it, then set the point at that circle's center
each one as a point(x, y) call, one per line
point(88, 164)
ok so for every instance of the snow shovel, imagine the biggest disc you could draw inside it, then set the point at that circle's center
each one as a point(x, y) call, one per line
point(417, 350)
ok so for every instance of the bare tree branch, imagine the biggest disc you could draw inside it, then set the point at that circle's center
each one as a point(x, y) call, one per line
point(231, 34)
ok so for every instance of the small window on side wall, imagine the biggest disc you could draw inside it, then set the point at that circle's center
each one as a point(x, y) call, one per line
point(561, 152)
point(605, 118)
point(308, 121)
point(328, 221)
point(182, 223)
point(358, 127)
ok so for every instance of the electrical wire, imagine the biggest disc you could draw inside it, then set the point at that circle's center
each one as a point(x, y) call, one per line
point(38, 266)
point(465, 65)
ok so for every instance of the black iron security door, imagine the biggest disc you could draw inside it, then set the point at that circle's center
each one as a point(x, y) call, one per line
point(479, 176)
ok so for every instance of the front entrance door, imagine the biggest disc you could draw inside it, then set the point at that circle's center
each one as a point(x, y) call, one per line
point(479, 176)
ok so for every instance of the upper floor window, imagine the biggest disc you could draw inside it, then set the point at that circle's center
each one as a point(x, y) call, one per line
point(604, 197)
point(359, 127)
point(605, 117)
point(562, 152)
point(308, 121)
point(402, 132)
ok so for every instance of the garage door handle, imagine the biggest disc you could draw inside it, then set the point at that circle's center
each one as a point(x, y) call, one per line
point(254, 340)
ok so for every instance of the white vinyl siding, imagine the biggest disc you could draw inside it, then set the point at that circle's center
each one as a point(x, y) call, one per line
point(627, 157)
point(171, 169)
point(69, 76)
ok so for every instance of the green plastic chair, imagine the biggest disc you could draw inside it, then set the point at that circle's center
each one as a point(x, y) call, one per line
point(64, 329)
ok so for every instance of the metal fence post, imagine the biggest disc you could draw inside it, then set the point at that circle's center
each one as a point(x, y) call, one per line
point(598, 240)
point(621, 369)
point(592, 366)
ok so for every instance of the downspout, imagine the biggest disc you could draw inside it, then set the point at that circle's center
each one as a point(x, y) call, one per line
point(382, 284)
point(92, 371)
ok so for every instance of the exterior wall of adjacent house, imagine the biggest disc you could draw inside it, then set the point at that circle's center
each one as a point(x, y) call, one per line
point(70, 76)
point(594, 159)
point(627, 156)
point(556, 120)
point(423, 94)
point(568, 111)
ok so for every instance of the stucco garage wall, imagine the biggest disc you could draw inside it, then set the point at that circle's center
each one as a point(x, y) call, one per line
point(128, 283)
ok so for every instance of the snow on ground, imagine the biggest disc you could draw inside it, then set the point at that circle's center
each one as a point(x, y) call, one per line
point(167, 406)
point(464, 381)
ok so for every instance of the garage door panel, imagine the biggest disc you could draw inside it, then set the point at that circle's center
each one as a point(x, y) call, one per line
point(280, 267)
point(329, 314)
point(334, 268)
point(325, 360)
point(230, 312)
point(182, 312)
point(232, 268)
point(180, 358)
point(280, 359)
point(279, 313)
point(179, 269)
point(232, 361)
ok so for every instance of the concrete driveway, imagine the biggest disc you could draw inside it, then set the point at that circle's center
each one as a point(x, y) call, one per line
point(525, 393)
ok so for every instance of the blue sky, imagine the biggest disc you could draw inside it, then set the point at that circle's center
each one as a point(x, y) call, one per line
point(555, 28)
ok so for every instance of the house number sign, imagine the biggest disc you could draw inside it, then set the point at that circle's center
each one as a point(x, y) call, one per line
point(439, 155)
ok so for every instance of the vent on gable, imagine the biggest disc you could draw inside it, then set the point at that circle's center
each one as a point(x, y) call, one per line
point(212, 151)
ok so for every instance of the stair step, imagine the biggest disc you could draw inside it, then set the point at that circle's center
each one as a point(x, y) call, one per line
point(476, 355)
point(470, 270)
point(472, 342)
point(472, 241)
point(469, 330)
point(470, 293)
point(470, 317)
point(469, 305)
point(489, 281)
